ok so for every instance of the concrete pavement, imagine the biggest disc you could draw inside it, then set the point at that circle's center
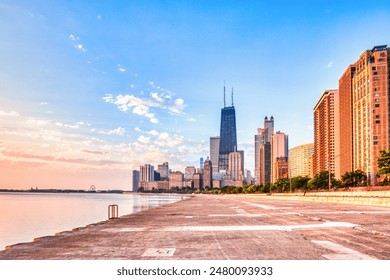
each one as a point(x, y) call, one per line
point(226, 227)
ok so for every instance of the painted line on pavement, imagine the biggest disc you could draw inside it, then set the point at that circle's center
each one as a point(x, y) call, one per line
point(236, 228)
point(342, 253)
point(261, 205)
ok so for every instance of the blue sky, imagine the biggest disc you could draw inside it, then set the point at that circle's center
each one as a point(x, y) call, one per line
point(90, 90)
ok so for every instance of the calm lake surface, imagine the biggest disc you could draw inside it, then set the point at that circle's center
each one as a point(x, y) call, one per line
point(24, 216)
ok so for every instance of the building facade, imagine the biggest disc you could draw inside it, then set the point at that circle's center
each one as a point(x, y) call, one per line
point(280, 167)
point(214, 152)
point(146, 173)
point(163, 169)
point(135, 180)
point(370, 109)
point(208, 174)
point(300, 160)
point(176, 179)
point(279, 152)
point(326, 155)
point(235, 167)
point(263, 152)
point(228, 135)
point(346, 120)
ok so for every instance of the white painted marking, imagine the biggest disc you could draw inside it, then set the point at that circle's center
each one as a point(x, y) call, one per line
point(261, 205)
point(188, 217)
point(241, 228)
point(342, 253)
point(253, 215)
point(159, 252)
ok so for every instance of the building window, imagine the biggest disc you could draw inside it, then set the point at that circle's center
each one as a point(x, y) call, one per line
point(377, 121)
point(376, 143)
point(377, 100)
point(377, 116)
point(375, 137)
point(377, 105)
point(373, 68)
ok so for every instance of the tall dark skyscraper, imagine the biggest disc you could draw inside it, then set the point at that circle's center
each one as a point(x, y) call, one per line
point(228, 134)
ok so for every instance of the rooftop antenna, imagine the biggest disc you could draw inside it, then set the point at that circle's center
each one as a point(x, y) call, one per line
point(224, 99)
point(232, 97)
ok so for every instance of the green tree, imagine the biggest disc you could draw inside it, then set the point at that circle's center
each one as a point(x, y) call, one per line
point(299, 182)
point(321, 181)
point(384, 165)
point(354, 179)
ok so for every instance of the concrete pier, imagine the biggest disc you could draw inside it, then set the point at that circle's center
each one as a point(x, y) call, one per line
point(225, 227)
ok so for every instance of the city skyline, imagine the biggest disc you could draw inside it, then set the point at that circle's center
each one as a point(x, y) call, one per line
point(91, 91)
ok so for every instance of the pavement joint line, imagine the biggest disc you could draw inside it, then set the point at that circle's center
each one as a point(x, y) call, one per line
point(342, 253)
point(267, 207)
point(236, 228)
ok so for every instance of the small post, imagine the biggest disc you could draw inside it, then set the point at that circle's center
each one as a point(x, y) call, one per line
point(113, 211)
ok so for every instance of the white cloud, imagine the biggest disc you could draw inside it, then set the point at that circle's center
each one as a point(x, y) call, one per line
point(179, 102)
point(156, 97)
point(121, 68)
point(154, 120)
point(73, 37)
point(153, 132)
point(80, 47)
point(143, 139)
point(164, 139)
point(330, 64)
point(117, 131)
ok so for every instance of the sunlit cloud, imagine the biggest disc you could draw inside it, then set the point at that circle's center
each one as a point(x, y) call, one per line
point(144, 139)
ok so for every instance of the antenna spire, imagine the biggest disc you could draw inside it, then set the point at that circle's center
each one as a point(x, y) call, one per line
point(232, 97)
point(224, 99)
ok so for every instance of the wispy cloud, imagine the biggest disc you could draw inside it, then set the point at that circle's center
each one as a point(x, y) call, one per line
point(117, 131)
point(121, 68)
point(330, 64)
point(76, 43)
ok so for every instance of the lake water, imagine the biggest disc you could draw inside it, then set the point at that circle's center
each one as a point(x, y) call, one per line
point(24, 216)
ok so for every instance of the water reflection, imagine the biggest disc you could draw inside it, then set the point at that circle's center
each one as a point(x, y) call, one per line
point(25, 216)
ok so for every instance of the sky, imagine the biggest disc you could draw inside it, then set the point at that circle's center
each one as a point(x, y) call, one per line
point(91, 90)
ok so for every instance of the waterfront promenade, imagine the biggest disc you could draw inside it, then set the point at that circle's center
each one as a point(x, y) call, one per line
point(226, 227)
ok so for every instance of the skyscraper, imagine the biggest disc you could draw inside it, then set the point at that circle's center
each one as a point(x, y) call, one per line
point(135, 180)
point(228, 134)
point(345, 112)
point(279, 155)
point(163, 169)
point(326, 134)
point(263, 152)
point(370, 109)
point(235, 171)
point(300, 160)
point(214, 152)
point(207, 174)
